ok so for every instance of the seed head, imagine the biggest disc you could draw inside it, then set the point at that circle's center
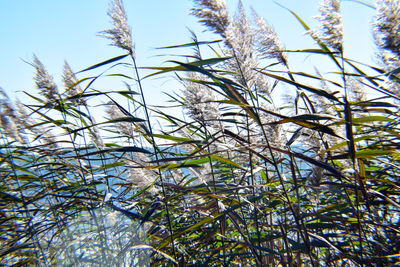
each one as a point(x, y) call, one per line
point(267, 42)
point(72, 88)
point(96, 137)
point(9, 119)
point(212, 13)
point(120, 34)
point(200, 101)
point(140, 176)
point(387, 25)
point(331, 29)
point(44, 81)
point(240, 43)
point(125, 128)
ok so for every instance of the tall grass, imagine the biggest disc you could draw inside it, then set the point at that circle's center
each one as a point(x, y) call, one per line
point(236, 180)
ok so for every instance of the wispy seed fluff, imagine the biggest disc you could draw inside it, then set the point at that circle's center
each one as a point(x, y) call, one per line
point(72, 88)
point(125, 128)
point(200, 101)
point(331, 29)
point(120, 34)
point(27, 125)
point(213, 13)
point(96, 137)
point(44, 81)
point(140, 176)
point(267, 42)
point(8, 117)
point(240, 40)
point(387, 25)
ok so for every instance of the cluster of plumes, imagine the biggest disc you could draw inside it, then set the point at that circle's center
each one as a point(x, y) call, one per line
point(272, 130)
point(44, 81)
point(247, 41)
point(18, 125)
point(140, 176)
point(200, 101)
point(331, 29)
point(120, 34)
point(9, 118)
point(244, 43)
point(48, 88)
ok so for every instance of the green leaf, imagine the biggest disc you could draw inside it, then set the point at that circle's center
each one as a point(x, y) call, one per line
point(308, 88)
point(315, 162)
point(117, 149)
point(190, 44)
point(295, 135)
point(186, 66)
point(371, 119)
point(375, 104)
point(173, 138)
point(104, 63)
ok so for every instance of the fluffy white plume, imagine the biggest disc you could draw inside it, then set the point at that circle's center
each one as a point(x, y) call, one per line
point(387, 25)
point(120, 34)
point(331, 29)
point(214, 14)
point(44, 81)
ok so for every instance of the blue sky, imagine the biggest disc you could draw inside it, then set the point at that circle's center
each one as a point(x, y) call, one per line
point(66, 30)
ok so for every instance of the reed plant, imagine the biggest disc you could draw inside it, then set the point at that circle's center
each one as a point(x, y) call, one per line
point(100, 178)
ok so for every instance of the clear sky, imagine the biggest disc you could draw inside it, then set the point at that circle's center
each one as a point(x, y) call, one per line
point(58, 30)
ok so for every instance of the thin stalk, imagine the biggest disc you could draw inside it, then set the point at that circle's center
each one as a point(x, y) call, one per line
point(351, 146)
point(155, 153)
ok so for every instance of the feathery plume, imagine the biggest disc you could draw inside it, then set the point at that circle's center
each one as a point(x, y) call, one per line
point(43, 134)
point(6, 105)
point(390, 62)
point(214, 14)
point(200, 101)
point(356, 90)
point(9, 127)
point(72, 88)
point(262, 85)
point(25, 120)
point(120, 35)
point(274, 132)
point(267, 42)
point(44, 81)
point(387, 25)
point(125, 128)
point(96, 137)
point(331, 29)
point(9, 119)
point(240, 41)
point(140, 176)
